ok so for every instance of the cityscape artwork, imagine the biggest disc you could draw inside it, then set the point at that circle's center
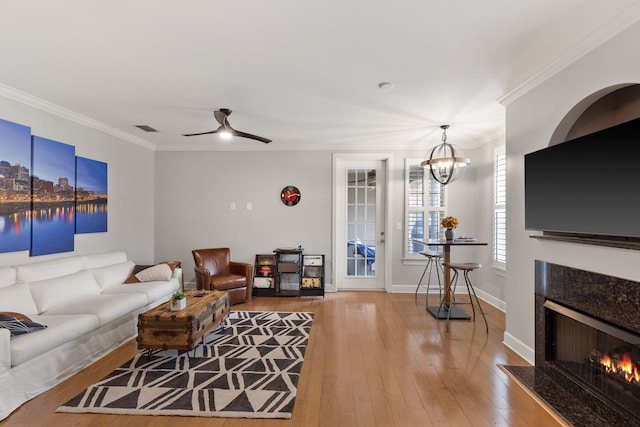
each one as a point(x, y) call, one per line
point(53, 195)
point(15, 187)
point(91, 196)
point(47, 194)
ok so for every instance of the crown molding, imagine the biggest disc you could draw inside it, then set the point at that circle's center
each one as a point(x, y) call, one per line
point(332, 147)
point(606, 32)
point(49, 107)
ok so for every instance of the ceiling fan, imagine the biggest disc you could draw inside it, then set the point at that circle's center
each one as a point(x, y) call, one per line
point(225, 130)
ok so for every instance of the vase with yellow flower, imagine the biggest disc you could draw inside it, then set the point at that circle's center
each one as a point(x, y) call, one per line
point(449, 222)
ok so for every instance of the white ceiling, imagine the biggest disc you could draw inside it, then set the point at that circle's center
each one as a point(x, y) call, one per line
point(303, 73)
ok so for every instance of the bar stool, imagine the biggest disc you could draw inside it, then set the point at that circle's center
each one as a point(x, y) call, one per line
point(465, 267)
point(433, 258)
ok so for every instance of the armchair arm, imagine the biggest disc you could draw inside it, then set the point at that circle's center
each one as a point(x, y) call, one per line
point(245, 270)
point(203, 278)
point(242, 269)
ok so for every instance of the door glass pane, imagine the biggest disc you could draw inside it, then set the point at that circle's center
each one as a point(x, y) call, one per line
point(361, 222)
point(351, 212)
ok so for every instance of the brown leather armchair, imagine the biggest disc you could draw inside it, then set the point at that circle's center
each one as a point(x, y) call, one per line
point(215, 270)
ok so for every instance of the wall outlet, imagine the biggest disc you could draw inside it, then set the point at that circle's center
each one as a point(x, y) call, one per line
point(249, 206)
point(232, 206)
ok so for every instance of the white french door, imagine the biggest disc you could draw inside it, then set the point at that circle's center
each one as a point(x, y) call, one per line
point(359, 212)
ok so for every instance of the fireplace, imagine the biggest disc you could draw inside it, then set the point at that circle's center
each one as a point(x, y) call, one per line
point(597, 355)
point(587, 350)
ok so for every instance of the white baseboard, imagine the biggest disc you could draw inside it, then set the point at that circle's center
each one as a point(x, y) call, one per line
point(523, 350)
point(499, 304)
point(485, 297)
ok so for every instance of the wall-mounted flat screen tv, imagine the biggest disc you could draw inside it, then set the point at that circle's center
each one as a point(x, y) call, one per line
point(589, 185)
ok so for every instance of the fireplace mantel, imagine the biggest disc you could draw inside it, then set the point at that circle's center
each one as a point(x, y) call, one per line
point(632, 243)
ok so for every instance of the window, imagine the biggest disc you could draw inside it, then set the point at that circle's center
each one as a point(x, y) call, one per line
point(500, 209)
point(424, 207)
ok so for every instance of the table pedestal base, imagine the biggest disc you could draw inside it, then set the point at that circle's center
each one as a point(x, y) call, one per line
point(456, 313)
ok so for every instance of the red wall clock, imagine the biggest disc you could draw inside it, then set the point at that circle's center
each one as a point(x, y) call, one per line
point(290, 195)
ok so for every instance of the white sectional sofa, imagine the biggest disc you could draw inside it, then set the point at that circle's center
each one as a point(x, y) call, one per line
point(88, 311)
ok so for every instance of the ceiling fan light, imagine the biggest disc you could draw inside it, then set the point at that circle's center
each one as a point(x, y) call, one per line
point(225, 134)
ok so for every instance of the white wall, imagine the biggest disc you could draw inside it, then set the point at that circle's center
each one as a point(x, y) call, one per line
point(194, 191)
point(130, 185)
point(531, 121)
point(489, 281)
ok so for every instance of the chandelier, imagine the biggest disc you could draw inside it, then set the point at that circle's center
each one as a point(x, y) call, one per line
point(445, 161)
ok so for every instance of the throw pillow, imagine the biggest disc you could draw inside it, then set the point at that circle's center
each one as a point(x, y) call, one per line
point(157, 272)
point(16, 315)
point(132, 279)
point(172, 264)
point(18, 326)
point(139, 268)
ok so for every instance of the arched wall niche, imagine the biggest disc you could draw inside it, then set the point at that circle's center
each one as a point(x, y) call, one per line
point(605, 108)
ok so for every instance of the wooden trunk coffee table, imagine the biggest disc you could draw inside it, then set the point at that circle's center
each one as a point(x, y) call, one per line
point(161, 328)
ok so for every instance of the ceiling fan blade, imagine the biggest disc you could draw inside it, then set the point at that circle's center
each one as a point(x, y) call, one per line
point(201, 133)
point(248, 135)
point(221, 116)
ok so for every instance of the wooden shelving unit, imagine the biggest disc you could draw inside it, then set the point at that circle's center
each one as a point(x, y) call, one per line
point(288, 273)
point(312, 283)
point(264, 276)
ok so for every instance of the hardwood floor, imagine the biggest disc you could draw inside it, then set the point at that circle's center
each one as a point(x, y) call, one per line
point(374, 359)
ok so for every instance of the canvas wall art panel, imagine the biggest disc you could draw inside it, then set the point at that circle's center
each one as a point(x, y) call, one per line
point(15, 187)
point(53, 195)
point(91, 196)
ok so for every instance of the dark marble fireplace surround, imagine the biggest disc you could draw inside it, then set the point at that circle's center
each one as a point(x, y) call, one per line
point(612, 300)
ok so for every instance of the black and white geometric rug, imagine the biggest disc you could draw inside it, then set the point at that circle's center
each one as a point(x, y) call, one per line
point(249, 370)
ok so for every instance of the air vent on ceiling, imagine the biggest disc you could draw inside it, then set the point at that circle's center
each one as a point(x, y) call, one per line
point(146, 128)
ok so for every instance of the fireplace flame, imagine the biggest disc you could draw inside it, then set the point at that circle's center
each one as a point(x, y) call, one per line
point(624, 367)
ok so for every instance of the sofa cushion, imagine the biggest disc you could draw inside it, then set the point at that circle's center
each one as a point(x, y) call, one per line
point(48, 269)
point(111, 275)
point(155, 273)
point(7, 276)
point(154, 291)
point(18, 298)
point(60, 330)
point(101, 260)
point(53, 292)
point(107, 307)
point(19, 326)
